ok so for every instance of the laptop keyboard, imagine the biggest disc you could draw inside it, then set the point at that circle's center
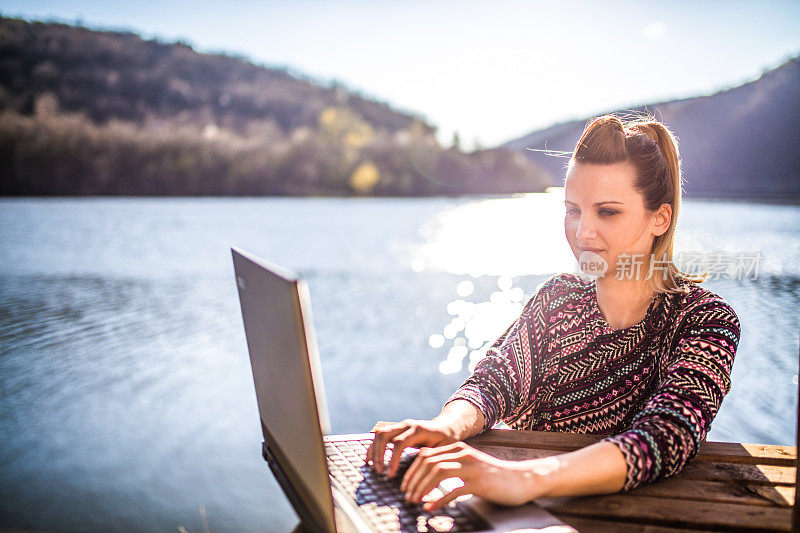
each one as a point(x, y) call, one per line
point(380, 498)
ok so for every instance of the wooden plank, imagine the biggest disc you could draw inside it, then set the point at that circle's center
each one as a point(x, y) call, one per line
point(665, 512)
point(734, 452)
point(796, 508)
point(677, 488)
point(755, 474)
point(767, 454)
point(591, 525)
point(535, 439)
point(779, 494)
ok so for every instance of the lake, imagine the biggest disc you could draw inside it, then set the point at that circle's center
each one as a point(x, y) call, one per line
point(126, 399)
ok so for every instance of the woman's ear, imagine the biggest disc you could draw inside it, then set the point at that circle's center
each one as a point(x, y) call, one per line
point(661, 219)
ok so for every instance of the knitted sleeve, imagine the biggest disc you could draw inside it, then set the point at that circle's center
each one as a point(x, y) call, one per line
point(666, 433)
point(503, 381)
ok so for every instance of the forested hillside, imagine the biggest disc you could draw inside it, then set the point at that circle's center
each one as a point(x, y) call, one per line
point(108, 113)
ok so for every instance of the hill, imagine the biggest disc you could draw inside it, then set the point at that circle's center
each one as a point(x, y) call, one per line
point(738, 143)
point(101, 112)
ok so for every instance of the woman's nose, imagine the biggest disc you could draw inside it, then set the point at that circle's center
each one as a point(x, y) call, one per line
point(586, 230)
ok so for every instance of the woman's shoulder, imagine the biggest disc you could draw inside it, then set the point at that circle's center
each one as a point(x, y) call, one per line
point(563, 286)
point(566, 282)
point(698, 305)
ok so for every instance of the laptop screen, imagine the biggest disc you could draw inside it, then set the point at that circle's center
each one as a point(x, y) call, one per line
point(288, 381)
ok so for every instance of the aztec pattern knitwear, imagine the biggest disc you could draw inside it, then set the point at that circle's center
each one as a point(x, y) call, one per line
point(655, 386)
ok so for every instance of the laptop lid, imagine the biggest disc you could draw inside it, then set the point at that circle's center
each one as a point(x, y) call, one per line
point(288, 382)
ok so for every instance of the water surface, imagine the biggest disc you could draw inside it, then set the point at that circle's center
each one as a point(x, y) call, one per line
point(126, 400)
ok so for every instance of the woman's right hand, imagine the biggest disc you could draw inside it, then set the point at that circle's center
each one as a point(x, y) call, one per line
point(416, 433)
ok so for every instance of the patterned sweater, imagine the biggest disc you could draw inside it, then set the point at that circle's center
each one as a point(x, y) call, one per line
point(654, 387)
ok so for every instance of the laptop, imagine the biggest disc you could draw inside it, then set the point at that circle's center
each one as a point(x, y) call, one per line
point(325, 476)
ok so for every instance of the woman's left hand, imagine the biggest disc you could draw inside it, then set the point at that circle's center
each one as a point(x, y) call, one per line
point(497, 480)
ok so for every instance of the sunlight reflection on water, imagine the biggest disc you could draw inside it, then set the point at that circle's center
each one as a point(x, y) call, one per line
point(476, 325)
point(502, 238)
point(515, 236)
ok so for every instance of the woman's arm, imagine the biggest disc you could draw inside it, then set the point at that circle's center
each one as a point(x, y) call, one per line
point(463, 417)
point(596, 469)
point(665, 434)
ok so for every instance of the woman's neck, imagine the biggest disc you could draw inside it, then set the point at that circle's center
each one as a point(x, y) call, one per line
point(623, 303)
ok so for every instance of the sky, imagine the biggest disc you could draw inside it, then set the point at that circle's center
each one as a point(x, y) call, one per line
point(489, 70)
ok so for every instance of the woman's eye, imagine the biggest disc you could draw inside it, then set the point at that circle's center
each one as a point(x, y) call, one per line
point(608, 212)
point(572, 211)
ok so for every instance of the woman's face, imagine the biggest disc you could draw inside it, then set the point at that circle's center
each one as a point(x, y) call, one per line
point(606, 215)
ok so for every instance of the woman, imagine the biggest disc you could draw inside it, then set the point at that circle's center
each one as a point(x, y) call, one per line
point(642, 353)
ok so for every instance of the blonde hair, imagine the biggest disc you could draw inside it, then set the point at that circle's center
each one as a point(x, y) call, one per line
point(652, 149)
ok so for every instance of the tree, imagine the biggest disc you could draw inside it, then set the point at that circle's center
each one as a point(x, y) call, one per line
point(456, 141)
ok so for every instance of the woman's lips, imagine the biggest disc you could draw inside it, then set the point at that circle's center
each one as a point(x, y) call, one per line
point(589, 249)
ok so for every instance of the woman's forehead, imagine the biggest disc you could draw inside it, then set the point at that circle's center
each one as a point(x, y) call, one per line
point(590, 182)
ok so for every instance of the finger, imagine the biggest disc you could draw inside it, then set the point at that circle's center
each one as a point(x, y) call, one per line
point(370, 450)
point(413, 481)
point(446, 448)
point(379, 433)
point(381, 424)
point(402, 441)
point(437, 473)
point(447, 498)
point(378, 446)
point(418, 463)
point(424, 461)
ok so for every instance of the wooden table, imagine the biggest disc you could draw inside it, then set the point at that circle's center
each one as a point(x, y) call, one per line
point(727, 486)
